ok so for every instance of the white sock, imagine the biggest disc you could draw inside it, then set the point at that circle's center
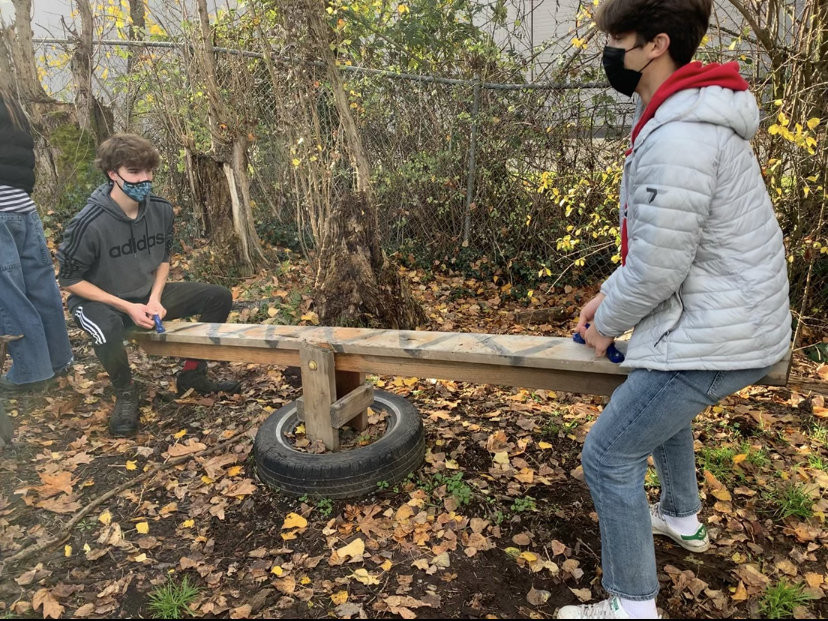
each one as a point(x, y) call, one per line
point(639, 610)
point(684, 525)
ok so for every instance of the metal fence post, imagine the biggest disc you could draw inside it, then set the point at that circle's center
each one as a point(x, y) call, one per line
point(472, 148)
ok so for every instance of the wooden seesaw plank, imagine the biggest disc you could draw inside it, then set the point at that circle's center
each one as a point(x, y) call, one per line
point(553, 363)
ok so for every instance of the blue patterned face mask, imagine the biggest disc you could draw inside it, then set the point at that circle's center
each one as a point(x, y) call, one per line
point(137, 191)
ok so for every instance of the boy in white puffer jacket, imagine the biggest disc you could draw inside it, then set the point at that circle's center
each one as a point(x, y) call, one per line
point(703, 284)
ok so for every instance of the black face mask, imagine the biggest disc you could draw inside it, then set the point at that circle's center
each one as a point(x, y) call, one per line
point(624, 80)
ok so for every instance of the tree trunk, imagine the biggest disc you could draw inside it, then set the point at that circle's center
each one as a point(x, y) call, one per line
point(18, 39)
point(227, 197)
point(93, 117)
point(138, 23)
point(355, 283)
point(211, 193)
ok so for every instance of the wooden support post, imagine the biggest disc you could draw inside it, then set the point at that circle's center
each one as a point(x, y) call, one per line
point(319, 388)
point(346, 382)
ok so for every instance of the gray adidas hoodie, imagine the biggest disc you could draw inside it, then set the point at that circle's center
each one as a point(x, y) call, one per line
point(103, 246)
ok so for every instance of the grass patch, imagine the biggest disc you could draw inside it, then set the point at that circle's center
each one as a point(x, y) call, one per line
point(755, 456)
point(173, 599)
point(718, 460)
point(791, 499)
point(819, 433)
point(780, 600)
point(817, 462)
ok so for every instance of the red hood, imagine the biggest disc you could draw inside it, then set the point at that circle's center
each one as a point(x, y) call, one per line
point(694, 75)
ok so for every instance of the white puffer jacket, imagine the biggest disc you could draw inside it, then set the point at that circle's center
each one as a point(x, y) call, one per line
point(705, 281)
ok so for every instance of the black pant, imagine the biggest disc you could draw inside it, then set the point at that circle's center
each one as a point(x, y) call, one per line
point(107, 326)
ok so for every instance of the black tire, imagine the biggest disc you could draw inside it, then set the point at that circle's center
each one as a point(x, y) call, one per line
point(348, 474)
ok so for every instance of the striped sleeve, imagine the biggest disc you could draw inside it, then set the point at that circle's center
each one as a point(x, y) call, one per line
point(80, 249)
point(15, 200)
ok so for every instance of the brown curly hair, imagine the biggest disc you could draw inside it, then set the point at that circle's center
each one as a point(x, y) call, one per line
point(128, 150)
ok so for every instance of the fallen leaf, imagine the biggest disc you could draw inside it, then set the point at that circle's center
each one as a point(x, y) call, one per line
point(84, 611)
point(741, 593)
point(501, 457)
point(191, 446)
point(234, 471)
point(340, 597)
point(140, 558)
point(386, 566)
point(242, 612)
point(786, 567)
point(537, 597)
point(348, 610)
point(214, 467)
point(721, 494)
point(180, 434)
point(105, 518)
point(558, 548)
point(572, 566)
point(241, 488)
point(51, 608)
point(54, 484)
point(67, 551)
point(362, 575)
point(142, 527)
point(131, 465)
point(64, 504)
point(544, 445)
point(286, 585)
point(814, 580)
point(528, 556)
point(28, 577)
point(583, 595)
point(168, 508)
point(441, 560)
point(294, 520)
point(355, 549)
point(188, 524)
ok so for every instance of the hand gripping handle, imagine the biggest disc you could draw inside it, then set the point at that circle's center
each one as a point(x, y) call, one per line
point(612, 352)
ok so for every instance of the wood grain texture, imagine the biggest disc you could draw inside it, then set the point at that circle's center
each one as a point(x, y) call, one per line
point(555, 363)
point(346, 382)
point(319, 392)
point(353, 404)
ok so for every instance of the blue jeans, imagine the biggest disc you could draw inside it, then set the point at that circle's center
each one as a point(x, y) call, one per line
point(649, 414)
point(30, 302)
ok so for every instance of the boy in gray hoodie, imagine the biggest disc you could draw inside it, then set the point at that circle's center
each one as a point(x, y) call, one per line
point(115, 260)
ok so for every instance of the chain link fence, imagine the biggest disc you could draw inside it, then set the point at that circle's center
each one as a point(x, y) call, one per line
point(525, 175)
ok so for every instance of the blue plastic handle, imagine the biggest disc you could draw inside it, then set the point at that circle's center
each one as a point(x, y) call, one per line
point(612, 352)
point(158, 327)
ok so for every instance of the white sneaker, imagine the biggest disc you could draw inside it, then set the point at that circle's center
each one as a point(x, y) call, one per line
point(698, 542)
point(608, 609)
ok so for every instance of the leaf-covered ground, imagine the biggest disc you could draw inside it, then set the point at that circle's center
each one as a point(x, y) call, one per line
point(497, 523)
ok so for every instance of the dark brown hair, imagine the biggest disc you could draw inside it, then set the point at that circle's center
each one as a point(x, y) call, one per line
point(684, 21)
point(127, 150)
